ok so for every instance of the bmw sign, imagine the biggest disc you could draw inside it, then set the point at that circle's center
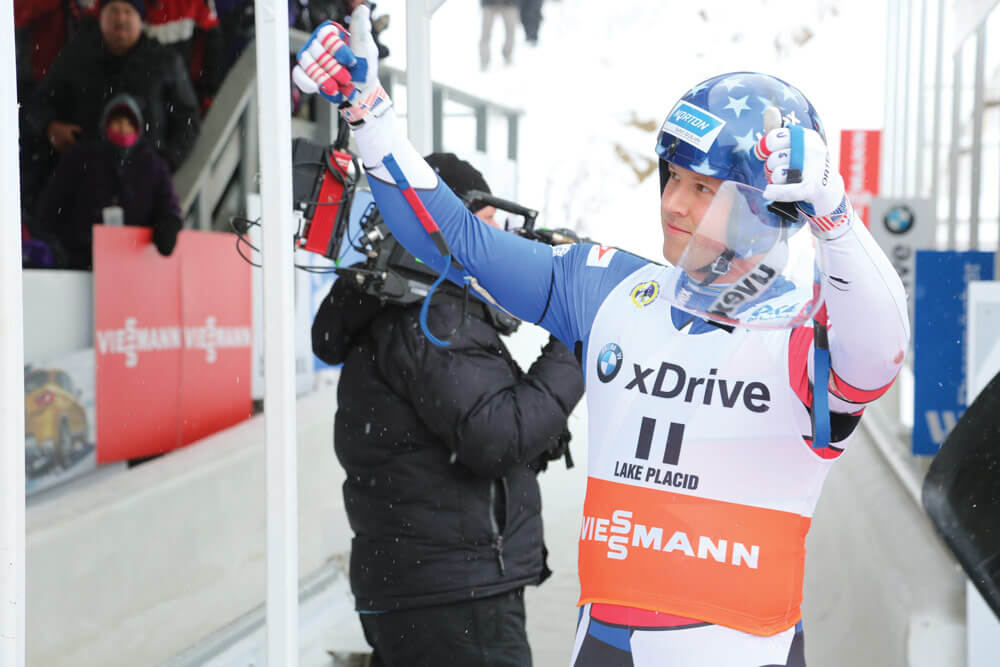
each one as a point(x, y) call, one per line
point(609, 362)
point(898, 219)
point(902, 226)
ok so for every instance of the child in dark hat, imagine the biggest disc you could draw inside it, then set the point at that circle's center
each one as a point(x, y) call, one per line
point(117, 179)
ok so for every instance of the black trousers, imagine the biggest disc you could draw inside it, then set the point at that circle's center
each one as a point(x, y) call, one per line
point(488, 632)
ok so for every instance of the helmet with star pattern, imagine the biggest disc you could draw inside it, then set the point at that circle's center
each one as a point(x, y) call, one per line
point(714, 127)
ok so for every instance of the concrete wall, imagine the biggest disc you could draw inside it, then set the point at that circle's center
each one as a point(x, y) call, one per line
point(133, 566)
point(58, 313)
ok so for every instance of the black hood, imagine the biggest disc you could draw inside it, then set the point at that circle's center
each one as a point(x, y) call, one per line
point(343, 316)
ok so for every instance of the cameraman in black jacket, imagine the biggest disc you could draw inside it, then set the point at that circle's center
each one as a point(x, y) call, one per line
point(442, 447)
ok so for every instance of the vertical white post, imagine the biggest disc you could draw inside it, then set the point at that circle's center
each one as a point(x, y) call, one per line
point(939, 59)
point(918, 187)
point(901, 110)
point(977, 135)
point(274, 123)
point(905, 107)
point(419, 127)
point(889, 129)
point(956, 134)
point(11, 364)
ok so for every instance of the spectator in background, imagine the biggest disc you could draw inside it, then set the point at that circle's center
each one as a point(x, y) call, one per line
point(103, 61)
point(531, 19)
point(236, 20)
point(118, 176)
point(191, 27)
point(42, 28)
point(506, 10)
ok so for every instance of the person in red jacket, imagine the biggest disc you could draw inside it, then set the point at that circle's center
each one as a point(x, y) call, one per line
point(191, 27)
point(43, 27)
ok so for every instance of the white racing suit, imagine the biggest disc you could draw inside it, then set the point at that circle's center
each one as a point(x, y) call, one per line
point(702, 480)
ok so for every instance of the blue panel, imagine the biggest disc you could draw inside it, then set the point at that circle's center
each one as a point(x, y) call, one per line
point(615, 636)
point(939, 332)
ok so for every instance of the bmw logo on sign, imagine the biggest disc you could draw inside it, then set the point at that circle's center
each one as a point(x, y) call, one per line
point(609, 362)
point(899, 219)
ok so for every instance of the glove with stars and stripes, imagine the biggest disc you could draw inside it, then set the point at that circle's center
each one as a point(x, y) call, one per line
point(343, 68)
point(806, 178)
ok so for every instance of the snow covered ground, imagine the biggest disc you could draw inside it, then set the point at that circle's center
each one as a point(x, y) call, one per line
point(605, 74)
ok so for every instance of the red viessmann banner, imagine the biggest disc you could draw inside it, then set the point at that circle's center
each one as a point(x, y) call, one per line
point(859, 165)
point(172, 340)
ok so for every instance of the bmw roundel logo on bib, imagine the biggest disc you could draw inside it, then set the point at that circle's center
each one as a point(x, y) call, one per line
point(609, 362)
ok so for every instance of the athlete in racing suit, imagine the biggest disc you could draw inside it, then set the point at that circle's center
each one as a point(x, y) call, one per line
point(702, 475)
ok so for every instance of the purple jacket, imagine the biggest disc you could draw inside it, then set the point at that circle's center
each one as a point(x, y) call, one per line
point(94, 175)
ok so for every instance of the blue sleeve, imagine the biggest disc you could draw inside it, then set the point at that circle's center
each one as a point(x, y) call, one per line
point(559, 289)
point(581, 283)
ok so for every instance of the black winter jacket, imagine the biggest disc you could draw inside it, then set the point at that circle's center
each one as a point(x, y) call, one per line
point(86, 75)
point(95, 174)
point(437, 444)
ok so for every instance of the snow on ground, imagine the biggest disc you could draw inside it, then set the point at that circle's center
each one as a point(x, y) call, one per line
point(605, 74)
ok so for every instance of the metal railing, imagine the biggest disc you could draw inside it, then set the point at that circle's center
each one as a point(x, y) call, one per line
point(225, 155)
point(227, 144)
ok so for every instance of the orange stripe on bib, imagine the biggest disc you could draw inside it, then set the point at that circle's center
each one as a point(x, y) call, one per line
point(726, 563)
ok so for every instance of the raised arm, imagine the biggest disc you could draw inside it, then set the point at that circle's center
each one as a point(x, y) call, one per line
point(530, 279)
point(868, 326)
point(515, 270)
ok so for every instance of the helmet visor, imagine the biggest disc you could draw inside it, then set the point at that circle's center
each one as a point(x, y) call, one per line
point(748, 264)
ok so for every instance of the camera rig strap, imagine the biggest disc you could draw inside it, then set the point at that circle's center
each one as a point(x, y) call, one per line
point(432, 229)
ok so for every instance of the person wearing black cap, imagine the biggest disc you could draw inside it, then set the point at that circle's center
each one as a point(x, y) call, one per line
point(107, 59)
point(464, 179)
point(118, 178)
point(441, 447)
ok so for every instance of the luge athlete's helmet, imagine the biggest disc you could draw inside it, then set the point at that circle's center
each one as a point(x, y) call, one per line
point(748, 256)
point(714, 127)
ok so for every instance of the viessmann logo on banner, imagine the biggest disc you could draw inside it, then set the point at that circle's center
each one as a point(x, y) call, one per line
point(132, 339)
point(173, 339)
